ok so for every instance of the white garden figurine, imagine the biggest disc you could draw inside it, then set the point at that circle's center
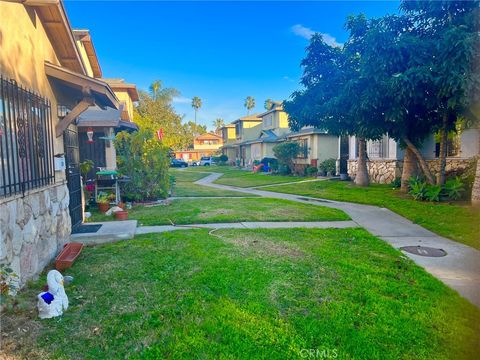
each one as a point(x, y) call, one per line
point(53, 302)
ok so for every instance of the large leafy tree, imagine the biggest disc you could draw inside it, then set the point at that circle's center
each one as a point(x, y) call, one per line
point(154, 111)
point(397, 86)
point(249, 103)
point(189, 131)
point(452, 71)
point(337, 97)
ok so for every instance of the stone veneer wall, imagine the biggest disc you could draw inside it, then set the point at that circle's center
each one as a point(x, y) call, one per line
point(385, 171)
point(379, 171)
point(33, 229)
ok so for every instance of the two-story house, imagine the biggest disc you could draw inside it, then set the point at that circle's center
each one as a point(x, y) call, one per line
point(257, 140)
point(207, 144)
point(229, 138)
point(246, 129)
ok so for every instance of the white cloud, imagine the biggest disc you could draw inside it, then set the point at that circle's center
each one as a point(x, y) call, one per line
point(302, 31)
point(288, 78)
point(307, 33)
point(181, 100)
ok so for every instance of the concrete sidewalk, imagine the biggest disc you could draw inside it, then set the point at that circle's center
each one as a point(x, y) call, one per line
point(459, 269)
point(249, 225)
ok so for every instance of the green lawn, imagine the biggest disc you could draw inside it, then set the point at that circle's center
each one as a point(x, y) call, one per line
point(185, 186)
point(189, 211)
point(243, 178)
point(249, 294)
point(456, 221)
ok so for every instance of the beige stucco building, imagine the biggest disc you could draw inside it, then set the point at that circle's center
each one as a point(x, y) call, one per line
point(42, 75)
point(257, 135)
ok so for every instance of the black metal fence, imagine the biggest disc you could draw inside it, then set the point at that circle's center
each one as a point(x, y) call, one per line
point(26, 140)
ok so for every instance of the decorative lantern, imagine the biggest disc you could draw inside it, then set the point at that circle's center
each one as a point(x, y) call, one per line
point(90, 135)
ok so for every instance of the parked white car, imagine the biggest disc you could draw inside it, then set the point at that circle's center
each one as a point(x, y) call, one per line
point(207, 161)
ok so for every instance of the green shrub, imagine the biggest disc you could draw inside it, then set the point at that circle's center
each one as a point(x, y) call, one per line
point(144, 161)
point(311, 171)
point(397, 183)
point(417, 188)
point(420, 190)
point(285, 152)
point(454, 188)
point(284, 170)
point(222, 159)
point(328, 166)
point(432, 192)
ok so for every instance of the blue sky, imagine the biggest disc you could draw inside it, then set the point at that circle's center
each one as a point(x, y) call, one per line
point(219, 51)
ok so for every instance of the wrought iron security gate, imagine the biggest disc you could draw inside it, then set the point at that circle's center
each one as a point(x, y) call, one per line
point(72, 159)
point(344, 154)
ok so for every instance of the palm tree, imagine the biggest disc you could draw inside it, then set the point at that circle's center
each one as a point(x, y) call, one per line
point(196, 104)
point(268, 104)
point(218, 123)
point(155, 89)
point(249, 104)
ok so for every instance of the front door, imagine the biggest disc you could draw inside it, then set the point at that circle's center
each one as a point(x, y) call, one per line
point(72, 159)
point(344, 152)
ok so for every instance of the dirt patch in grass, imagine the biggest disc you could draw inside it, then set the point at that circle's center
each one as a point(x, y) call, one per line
point(263, 247)
point(18, 331)
point(215, 212)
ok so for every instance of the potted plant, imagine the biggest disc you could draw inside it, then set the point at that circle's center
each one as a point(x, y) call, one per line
point(121, 215)
point(103, 202)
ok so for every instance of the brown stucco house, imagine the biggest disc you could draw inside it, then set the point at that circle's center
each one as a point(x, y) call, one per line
point(45, 85)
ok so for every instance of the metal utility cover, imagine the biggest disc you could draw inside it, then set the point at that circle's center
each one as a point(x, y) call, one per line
point(424, 251)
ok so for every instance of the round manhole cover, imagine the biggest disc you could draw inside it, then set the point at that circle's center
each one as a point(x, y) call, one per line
point(424, 251)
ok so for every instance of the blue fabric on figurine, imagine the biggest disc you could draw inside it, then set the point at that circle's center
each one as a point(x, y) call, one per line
point(47, 297)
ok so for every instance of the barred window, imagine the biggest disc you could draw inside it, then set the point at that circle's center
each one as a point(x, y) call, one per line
point(303, 149)
point(26, 142)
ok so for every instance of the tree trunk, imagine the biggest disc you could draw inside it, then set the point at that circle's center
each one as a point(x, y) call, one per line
point(410, 168)
point(361, 178)
point(443, 151)
point(421, 161)
point(476, 185)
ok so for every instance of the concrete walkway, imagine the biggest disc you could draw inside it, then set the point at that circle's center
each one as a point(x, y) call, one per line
point(459, 269)
point(249, 225)
point(289, 183)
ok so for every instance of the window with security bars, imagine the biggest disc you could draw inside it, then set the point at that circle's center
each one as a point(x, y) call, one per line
point(302, 149)
point(26, 141)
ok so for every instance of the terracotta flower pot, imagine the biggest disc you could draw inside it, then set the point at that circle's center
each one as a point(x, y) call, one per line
point(103, 207)
point(121, 215)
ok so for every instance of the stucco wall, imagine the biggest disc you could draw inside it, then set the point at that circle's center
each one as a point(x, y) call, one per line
point(24, 48)
point(326, 147)
point(123, 96)
point(34, 227)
